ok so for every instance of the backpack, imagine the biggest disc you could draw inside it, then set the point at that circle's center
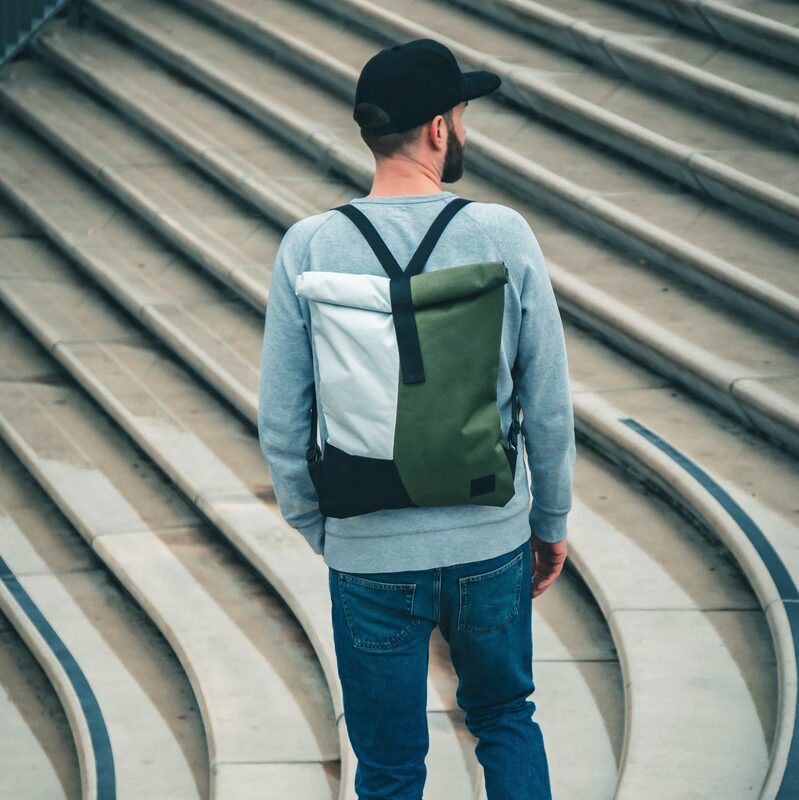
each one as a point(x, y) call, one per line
point(408, 370)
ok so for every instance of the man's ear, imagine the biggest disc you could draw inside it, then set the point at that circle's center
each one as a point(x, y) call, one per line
point(438, 126)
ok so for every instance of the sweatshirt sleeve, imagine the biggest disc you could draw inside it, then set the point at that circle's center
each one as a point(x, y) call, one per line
point(543, 388)
point(285, 395)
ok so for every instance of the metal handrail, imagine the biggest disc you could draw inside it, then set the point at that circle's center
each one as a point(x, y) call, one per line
point(21, 19)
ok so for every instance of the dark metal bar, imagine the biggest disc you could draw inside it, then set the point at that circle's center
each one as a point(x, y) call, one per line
point(75, 12)
point(21, 19)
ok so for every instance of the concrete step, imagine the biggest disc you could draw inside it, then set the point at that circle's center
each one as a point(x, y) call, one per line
point(701, 72)
point(738, 490)
point(131, 710)
point(765, 27)
point(583, 185)
point(643, 701)
point(199, 218)
point(228, 630)
point(698, 150)
point(686, 624)
point(37, 752)
point(156, 285)
point(660, 340)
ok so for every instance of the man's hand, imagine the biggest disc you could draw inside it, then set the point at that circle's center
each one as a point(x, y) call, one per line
point(548, 560)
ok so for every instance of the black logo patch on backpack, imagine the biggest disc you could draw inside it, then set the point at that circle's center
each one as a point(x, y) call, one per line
point(483, 485)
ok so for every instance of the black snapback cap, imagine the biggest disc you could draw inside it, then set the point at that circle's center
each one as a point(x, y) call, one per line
point(407, 84)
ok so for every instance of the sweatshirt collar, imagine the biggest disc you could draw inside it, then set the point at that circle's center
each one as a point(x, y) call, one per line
point(404, 198)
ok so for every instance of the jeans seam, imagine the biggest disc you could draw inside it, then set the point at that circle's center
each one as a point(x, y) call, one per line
point(347, 577)
point(491, 573)
point(438, 595)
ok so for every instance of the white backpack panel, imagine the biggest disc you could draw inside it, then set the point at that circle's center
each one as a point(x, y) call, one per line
point(356, 349)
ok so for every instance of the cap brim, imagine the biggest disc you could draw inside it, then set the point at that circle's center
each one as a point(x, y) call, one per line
point(480, 82)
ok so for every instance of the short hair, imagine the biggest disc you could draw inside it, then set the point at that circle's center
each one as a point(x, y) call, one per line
point(369, 115)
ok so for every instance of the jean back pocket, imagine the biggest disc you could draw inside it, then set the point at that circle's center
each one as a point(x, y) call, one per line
point(489, 600)
point(379, 614)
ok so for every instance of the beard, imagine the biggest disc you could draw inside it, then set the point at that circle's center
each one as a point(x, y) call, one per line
point(453, 158)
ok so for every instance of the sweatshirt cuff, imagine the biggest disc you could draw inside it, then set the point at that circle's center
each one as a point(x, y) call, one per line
point(546, 526)
point(315, 535)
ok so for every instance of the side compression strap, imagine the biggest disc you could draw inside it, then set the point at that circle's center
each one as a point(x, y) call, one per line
point(515, 425)
point(314, 452)
point(410, 352)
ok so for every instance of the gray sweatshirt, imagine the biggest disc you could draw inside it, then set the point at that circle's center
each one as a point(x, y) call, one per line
point(402, 539)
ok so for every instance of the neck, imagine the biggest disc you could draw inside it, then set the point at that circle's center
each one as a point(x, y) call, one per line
point(400, 177)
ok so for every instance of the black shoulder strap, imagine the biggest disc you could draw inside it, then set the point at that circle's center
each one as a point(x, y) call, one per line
point(422, 253)
point(419, 258)
point(376, 242)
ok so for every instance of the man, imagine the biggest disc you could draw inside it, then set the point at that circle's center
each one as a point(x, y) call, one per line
point(394, 574)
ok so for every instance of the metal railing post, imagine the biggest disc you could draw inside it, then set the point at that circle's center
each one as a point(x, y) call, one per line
point(75, 12)
point(21, 19)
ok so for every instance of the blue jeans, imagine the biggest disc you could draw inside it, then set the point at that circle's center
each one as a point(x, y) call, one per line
point(382, 623)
